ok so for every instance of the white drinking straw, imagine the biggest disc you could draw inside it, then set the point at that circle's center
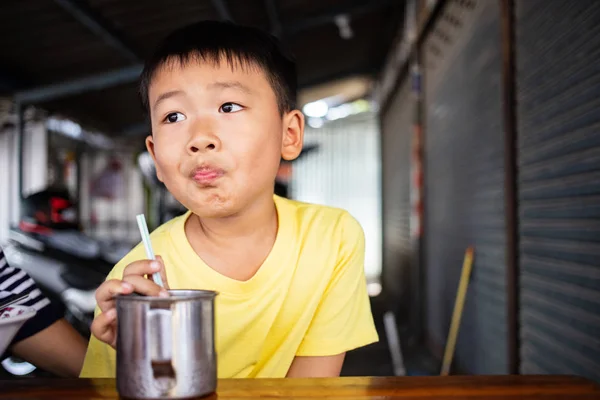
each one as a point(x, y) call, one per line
point(141, 220)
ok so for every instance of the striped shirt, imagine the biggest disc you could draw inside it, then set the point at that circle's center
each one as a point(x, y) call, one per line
point(16, 281)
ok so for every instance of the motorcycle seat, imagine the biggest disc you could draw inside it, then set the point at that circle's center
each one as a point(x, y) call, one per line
point(82, 281)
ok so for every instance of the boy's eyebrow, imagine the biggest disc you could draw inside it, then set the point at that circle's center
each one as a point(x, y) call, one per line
point(217, 85)
point(231, 85)
point(166, 95)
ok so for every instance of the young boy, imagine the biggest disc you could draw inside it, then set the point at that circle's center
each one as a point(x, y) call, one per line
point(292, 290)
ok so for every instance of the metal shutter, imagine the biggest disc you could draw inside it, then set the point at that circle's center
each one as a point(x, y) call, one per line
point(464, 182)
point(558, 97)
point(396, 139)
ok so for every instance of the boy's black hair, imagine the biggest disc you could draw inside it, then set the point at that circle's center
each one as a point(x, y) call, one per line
point(214, 41)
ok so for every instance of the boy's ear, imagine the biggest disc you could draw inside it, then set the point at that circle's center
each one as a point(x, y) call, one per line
point(293, 135)
point(150, 147)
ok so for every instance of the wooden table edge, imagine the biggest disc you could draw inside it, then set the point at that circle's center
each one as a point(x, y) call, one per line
point(358, 387)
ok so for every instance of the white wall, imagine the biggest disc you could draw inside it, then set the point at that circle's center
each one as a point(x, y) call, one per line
point(35, 158)
point(345, 172)
point(34, 163)
point(7, 182)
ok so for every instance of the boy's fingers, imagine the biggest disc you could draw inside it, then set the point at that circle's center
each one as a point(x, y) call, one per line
point(103, 327)
point(142, 267)
point(145, 286)
point(163, 272)
point(108, 290)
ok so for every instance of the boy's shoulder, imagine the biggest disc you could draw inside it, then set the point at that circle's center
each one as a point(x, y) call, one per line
point(309, 210)
point(320, 218)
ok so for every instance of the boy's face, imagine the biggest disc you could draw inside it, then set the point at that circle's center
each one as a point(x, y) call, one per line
point(218, 136)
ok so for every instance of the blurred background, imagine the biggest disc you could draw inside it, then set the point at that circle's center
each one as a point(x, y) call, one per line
point(439, 125)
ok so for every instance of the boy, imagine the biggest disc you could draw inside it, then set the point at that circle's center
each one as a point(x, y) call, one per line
point(292, 292)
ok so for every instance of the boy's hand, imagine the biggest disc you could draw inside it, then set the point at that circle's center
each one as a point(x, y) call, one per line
point(104, 326)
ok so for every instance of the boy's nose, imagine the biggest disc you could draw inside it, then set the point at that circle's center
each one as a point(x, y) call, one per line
point(205, 142)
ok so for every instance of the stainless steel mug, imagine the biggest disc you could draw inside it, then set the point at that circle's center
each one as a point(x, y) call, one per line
point(166, 346)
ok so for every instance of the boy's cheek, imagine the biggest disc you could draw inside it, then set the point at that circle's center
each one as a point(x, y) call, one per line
point(163, 161)
point(159, 173)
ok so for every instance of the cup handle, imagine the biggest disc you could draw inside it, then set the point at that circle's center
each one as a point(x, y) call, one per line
point(160, 343)
point(160, 335)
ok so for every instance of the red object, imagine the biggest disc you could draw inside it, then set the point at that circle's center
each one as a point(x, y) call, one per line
point(57, 206)
point(34, 228)
point(417, 183)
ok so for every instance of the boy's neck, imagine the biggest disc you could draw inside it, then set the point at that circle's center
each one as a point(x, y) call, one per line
point(260, 219)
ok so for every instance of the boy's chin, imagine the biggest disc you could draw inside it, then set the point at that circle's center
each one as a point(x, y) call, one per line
point(213, 213)
point(214, 207)
point(219, 210)
point(219, 204)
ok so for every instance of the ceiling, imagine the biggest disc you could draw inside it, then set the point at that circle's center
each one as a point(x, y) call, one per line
point(81, 58)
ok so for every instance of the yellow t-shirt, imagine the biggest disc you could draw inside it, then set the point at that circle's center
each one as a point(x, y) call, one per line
point(308, 298)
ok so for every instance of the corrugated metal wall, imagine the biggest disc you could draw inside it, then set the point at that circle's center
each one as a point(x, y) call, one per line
point(396, 139)
point(464, 182)
point(558, 96)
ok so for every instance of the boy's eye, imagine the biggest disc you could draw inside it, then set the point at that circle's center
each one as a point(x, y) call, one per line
point(230, 108)
point(174, 117)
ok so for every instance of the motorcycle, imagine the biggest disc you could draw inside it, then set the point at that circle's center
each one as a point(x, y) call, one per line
point(65, 263)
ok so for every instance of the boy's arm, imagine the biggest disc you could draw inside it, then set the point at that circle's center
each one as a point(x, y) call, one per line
point(58, 349)
point(316, 367)
point(343, 320)
point(47, 340)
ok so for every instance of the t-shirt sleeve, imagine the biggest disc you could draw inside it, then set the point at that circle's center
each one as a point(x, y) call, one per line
point(16, 281)
point(343, 320)
point(100, 359)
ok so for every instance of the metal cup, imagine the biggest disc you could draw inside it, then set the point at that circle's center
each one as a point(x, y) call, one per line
point(166, 346)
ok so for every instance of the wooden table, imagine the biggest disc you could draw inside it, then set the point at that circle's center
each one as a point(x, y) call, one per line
point(454, 387)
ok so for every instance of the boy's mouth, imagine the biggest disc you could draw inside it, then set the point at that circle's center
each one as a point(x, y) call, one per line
point(206, 174)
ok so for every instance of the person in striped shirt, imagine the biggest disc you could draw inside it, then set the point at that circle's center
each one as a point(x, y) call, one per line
point(47, 340)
